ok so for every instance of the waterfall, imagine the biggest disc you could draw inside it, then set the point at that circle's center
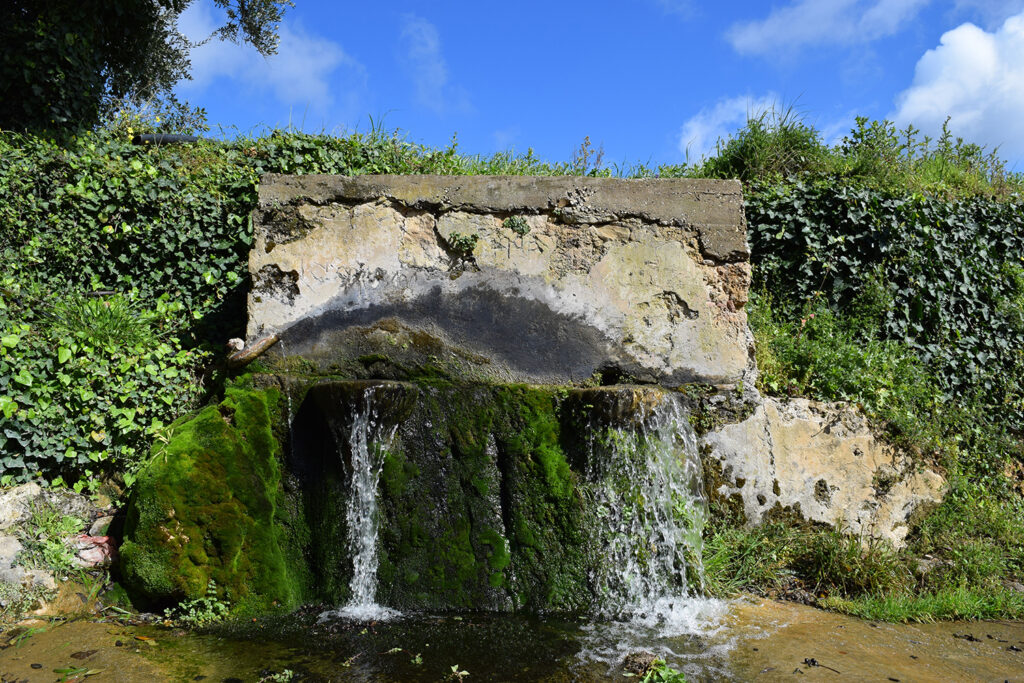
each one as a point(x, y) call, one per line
point(645, 482)
point(368, 439)
point(645, 488)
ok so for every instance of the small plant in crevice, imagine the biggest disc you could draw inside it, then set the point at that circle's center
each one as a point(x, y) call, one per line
point(462, 245)
point(516, 224)
point(661, 672)
point(43, 538)
point(16, 600)
point(457, 674)
point(647, 668)
point(199, 612)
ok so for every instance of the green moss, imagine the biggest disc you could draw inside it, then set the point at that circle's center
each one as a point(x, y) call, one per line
point(497, 555)
point(549, 550)
point(206, 508)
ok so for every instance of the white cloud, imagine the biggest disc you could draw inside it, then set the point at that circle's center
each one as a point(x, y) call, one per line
point(700, 133)
point(421, 55)
point(822, 22)
point(977, 79)
point(305, 73)
point(505, 137)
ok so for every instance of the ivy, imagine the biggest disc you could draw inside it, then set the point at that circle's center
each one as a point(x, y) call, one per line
point(951, 269)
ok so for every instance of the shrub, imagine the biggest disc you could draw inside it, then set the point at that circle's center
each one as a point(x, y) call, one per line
point(86, 384)
point(775, 143)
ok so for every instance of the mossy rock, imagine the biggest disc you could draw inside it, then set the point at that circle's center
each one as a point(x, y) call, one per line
point(206, 507)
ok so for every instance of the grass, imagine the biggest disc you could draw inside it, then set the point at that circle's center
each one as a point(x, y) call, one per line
point(952, 603)
point(778, 143)
point(781, 556)
point(102, 321)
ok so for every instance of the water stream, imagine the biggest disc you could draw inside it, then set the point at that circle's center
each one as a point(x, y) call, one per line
point(368, 439)
point(642, 485)
point(645, 480)
point(649, 498)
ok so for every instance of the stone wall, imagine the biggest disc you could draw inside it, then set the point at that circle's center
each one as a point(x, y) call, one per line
point(505, 278)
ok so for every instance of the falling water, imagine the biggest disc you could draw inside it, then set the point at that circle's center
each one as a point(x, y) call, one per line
point(368, 440)
point(645, 483)
point(648, 495)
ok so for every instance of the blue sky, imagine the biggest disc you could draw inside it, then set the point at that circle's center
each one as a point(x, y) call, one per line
point(652, 81)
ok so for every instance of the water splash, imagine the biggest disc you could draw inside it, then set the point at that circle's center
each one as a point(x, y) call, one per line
point(646, 488)
point(368, 440)
point(647, 493)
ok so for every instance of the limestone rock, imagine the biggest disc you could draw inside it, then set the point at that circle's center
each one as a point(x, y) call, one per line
point(15, 504)
point(822, 460)
point(644, 278)
point(28, 578)
point(100, 525)
point(9, 549)
point(70, 504)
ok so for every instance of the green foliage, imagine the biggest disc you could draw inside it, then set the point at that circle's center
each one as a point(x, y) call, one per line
point(775, 143)
point(64, 61)
point(887, 158)
point(911, 306)
point(947, 604)
point(661, 672)
point(43, 538)
point(462, 245)
point(456, 674)
point(100, 321)
point(908, 303)
point(832, 357)
point(837, 563)
point(200, 612)
point(777, 146)
point(516, 224)
point(85, 384)
point(976, 537)
point(738, 559)
point(779, 556)
point(936, 258)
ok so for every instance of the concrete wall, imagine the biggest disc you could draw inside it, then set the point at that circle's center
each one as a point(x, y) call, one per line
point(641, 279)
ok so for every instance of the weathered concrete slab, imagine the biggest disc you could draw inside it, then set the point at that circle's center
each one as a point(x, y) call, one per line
point(506, 278)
